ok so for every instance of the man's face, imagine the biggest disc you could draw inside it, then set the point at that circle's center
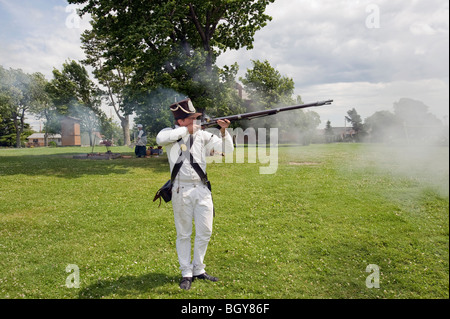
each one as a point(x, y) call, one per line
point(192, 123)
point(187, 121)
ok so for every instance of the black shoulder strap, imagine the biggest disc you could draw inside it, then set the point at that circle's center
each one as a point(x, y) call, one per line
point(197, 168)
point(175, 170)
point(203, 176)
point(200, 172)
point(177, 166)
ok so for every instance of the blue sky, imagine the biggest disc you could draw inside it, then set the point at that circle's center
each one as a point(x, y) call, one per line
point(363, 54)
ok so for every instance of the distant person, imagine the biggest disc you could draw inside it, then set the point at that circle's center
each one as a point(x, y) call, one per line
point(141, 142)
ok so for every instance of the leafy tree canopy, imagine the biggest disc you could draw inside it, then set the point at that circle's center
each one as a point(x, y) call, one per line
point(173, 44)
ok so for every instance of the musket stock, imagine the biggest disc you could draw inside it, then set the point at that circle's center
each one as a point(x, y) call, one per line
point(206, 122)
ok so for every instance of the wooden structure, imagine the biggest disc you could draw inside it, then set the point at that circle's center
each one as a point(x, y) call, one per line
point(70, 131)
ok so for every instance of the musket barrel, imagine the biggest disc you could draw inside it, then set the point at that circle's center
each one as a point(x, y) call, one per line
point(250, 115)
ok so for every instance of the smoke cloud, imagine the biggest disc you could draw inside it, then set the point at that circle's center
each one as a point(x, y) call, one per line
point(424, 165)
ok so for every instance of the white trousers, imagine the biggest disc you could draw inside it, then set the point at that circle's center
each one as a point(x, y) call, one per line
point(192, 201)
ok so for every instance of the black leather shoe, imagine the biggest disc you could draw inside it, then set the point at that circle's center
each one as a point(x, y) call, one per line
point(205, 276)
point(186, 283)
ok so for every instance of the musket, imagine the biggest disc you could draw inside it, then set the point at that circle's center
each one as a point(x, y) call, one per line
point(208, 122)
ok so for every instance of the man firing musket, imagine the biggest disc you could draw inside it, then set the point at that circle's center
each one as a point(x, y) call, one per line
point(187, 146)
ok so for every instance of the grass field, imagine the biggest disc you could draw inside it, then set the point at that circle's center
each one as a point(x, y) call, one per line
point(308, 231)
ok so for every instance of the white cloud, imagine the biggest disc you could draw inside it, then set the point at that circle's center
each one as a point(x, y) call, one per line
point(421, 29)
point(329, 51)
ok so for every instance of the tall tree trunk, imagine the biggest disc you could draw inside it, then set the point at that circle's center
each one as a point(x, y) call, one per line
point(18, 134)
point(125, 122)
point(19, 128)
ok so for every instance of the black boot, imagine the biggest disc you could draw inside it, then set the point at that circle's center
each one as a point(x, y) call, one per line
point(205, 276)
point(186, 283)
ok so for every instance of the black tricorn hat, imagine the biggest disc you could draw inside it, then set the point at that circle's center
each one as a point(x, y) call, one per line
point(184, 109)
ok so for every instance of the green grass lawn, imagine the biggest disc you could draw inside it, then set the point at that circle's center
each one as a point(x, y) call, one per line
point(308, 231)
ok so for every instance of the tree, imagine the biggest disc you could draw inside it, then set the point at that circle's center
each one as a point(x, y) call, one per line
point(42, 105)
point(417, 124)
point(414, 112)
point(266, 86)
point(7, 130)
point(329, 134)
point(156, 115)
point(74, 93)
point(382, 126)
point(304, 125)
point(15, 98)
point(174, 44)
point(416, 121)
point(114, 79)
point(178, 26)
point(357, 124)
point(112, 131)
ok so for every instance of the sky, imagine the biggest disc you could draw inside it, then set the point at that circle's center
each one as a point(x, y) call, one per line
point(365, 55)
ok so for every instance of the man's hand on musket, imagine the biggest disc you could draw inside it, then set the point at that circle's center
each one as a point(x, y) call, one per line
point(193, 125)
point(224, 124)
